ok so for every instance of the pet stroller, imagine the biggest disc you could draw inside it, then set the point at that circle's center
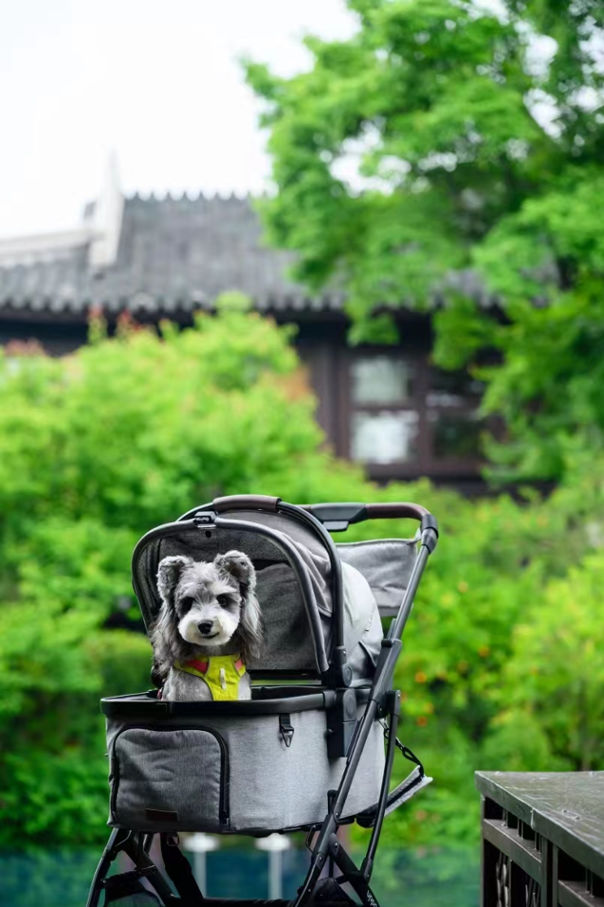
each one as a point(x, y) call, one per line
point(307, 752)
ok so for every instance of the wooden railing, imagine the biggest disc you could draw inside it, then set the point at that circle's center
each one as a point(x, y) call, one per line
point(542, 839)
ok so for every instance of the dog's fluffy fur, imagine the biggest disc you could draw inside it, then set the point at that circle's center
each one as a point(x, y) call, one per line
point(207, 609)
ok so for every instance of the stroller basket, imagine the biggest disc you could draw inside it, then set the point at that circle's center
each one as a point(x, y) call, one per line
point(241, 767)
point(306, 752)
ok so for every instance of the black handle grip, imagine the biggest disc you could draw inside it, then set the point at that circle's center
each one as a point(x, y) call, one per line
point(338, 512)
point(346, 513)
point(245, 502)
point(396, 510)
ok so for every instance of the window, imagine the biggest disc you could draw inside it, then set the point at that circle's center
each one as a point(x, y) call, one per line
point(380, 379)
point(452, 401)
point(454, 434)
point(450, 389)
point(384, 424)
point(409, 416)
point(384, 437)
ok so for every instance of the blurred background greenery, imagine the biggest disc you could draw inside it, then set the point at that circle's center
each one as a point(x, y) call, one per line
point(482, 144)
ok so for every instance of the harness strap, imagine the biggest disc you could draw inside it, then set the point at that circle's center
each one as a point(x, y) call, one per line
point(180, 872)
point(221, 673)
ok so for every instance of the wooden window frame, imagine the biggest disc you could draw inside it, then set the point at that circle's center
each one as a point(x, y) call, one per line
point(422, 377)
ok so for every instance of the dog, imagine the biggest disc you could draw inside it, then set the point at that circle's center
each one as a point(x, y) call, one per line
point(208, 627)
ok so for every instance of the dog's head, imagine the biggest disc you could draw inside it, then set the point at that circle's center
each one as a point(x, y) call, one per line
point(211, 603)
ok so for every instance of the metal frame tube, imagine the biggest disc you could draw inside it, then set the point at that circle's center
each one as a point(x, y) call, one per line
point(367, 865)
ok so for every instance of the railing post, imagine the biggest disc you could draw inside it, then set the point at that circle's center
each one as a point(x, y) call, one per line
point(542, 839)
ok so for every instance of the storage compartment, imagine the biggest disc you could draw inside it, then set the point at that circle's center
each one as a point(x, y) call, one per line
point(248, 767)
point(169, 776)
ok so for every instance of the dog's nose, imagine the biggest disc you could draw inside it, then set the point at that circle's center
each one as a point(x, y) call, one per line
point(205, 627)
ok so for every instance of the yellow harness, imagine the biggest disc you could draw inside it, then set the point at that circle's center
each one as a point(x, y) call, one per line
point(220, 672)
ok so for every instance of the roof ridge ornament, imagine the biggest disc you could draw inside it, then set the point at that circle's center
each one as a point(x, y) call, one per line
point(107, 218)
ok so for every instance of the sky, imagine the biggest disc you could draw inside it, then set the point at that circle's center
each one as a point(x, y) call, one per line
point(156, 82)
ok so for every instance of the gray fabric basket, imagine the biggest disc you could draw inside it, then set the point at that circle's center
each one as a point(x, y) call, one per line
point(230, 772)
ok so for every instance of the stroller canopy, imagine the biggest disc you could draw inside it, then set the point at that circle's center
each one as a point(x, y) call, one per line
point(310, 591)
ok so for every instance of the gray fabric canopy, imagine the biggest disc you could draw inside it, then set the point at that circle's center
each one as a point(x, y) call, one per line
point(373, 575)
point(386, 565)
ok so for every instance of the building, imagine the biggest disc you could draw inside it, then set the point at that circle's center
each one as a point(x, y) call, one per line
point(166, 258)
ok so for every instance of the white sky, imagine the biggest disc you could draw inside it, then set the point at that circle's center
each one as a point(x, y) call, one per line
point(156, 81)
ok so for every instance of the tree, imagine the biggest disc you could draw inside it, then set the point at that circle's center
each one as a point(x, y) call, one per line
point(95, 449)
point(558, 655)
point(100, 446)
point(476, 144)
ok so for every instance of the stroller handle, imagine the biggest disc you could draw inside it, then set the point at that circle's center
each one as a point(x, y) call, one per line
point(335, 516)
point(246, 502)
point(338, 515)
point(341, 515)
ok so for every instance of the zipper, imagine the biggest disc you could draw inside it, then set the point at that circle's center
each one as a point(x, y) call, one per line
point(223, 804)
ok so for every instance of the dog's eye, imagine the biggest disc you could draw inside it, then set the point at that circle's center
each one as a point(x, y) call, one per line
point(223, 599)
point(186, 603)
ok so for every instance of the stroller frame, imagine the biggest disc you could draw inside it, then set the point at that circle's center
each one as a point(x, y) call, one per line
point(331, 867)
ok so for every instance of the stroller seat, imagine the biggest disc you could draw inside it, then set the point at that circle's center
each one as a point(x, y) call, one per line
point(306, 752)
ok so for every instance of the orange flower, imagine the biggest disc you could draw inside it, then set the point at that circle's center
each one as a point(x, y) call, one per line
point(420, 677)
point(422, 721)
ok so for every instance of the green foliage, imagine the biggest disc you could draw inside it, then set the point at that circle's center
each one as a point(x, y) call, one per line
point(503, 660)
point(446, 136)
point(130, 430)
point(55, 665)
point(559, 658)
point(503, 657)
point(430, 98)
point(95, 449)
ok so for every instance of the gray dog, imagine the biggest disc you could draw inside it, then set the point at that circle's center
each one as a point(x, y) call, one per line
point(207, 628)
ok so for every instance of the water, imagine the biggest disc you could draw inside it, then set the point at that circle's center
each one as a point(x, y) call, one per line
point(447, 878)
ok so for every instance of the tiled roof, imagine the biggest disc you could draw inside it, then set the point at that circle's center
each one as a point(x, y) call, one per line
point(174, 255)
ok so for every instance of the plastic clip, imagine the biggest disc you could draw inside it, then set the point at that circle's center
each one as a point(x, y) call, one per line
point(286, 730)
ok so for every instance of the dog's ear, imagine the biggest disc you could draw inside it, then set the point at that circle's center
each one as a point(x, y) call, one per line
point(250, 628)
point(168, 574)
point(239, 566)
